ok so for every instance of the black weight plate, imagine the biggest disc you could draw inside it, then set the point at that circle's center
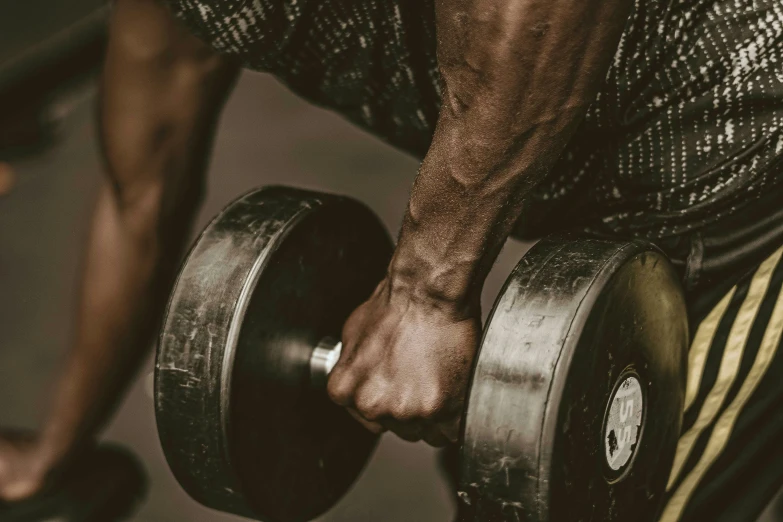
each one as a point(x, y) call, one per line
point(241, 427)
point(576, 402)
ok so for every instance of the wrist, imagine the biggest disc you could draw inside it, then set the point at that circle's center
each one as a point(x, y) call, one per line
point(440, 288)
point(61, 439)
point(50, 453)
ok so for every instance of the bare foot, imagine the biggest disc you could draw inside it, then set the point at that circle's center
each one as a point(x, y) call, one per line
point(6, 178)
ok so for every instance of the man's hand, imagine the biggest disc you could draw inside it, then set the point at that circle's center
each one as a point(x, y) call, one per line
point(405, 366)
point(23, 468)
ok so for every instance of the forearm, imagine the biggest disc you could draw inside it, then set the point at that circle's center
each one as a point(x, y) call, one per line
point(518, 76)
point(161, 94)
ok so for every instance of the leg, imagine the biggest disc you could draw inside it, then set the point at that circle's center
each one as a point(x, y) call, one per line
point(729, 461)
point(162, 92)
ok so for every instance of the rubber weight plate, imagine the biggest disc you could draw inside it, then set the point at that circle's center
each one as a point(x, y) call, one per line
point(241, 426)
point(576, 402)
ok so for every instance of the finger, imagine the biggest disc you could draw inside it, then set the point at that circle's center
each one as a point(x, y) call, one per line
point(451, 429)
point(346, 377)
point(342, 385)
point(373, 427)
point(410, 431)
point(435, 438)
point(432, 434)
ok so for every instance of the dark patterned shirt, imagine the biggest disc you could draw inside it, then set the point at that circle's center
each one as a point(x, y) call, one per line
point(684, 134)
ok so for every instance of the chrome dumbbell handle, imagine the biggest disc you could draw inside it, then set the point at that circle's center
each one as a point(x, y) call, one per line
point(322, 361)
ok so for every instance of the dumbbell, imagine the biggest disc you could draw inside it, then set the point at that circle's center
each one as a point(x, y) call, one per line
point(574, 405)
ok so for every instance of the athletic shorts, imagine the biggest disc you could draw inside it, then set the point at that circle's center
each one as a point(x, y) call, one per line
point(729, 460)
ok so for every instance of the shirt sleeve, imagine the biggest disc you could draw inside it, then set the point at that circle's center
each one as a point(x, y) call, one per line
point(373, 61)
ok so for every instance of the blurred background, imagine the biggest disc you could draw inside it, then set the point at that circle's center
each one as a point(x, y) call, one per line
point(50, 54)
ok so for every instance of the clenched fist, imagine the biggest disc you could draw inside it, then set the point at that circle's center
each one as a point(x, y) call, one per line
point(405, 366)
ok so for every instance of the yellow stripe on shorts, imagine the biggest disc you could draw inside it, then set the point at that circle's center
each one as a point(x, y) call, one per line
point(725, 423)
point(729, 365)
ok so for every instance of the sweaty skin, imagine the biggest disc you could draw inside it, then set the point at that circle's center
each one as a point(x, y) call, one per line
point(518, 76)
point(161, 93)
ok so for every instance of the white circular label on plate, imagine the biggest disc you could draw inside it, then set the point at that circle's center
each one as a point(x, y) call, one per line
point(623, 423)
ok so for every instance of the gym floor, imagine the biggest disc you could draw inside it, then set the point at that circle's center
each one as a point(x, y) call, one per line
point(267, 136)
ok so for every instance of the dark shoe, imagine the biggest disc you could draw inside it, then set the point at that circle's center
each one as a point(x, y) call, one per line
point(104, 485)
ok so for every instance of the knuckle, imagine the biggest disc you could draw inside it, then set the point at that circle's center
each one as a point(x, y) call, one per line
point(369, 410)
point(370, 405)
point(340, 389)
point(403, 412)
point(431, 407)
